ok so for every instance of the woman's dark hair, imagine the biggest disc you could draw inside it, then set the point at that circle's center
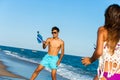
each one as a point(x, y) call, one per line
point(112, 24)
point(55, 28)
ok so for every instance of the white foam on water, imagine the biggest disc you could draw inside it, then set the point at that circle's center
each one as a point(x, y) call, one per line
point(63, 70)
point(14, 54)
point(69, 72)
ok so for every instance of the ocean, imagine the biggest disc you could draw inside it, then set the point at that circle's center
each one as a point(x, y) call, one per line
point(70, 68)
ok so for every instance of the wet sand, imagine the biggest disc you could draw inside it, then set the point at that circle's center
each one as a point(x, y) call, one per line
point(5, 72)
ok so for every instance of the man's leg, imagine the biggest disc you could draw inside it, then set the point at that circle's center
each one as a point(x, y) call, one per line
point(53, 74)
point(36, 72)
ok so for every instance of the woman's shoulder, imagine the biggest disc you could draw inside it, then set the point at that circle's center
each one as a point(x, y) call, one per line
point(103, 31)
point(101, 28)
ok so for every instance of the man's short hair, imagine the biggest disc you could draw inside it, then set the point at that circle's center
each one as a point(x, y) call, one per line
point(55, 28)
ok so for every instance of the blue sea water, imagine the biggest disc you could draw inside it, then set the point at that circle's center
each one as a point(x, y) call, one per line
point(70, 67)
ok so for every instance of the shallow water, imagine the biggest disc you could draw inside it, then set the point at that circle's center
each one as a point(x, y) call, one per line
point(70, 68)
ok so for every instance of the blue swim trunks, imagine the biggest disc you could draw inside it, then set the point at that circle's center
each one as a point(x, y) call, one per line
point(49, 61)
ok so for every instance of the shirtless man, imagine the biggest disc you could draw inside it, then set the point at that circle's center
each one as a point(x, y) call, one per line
point(51, 59)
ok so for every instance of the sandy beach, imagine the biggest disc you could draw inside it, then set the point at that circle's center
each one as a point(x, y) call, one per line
point(4, 72)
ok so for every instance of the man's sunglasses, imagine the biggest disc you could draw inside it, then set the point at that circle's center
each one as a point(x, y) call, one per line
point(54, 32)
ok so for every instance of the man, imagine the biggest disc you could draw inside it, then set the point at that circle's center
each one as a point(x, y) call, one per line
point(51, 60)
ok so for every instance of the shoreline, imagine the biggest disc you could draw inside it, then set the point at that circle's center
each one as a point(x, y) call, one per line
point(17, 69)
point(5, 73)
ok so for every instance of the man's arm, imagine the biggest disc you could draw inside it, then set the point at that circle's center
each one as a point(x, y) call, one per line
point(45, 43)
point(62, 53)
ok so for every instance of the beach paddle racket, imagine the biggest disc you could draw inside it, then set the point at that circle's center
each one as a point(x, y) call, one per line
point(39, 37)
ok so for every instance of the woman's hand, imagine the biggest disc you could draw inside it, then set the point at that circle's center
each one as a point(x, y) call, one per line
point(86, 61)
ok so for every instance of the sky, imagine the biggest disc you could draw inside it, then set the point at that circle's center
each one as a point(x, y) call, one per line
point(78, 21)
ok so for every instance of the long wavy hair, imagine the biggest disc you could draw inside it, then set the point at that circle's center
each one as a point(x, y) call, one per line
point(112, 24)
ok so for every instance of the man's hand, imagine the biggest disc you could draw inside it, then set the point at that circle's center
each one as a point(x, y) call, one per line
point(86, 61)
point(58, 62)
point(44, 44)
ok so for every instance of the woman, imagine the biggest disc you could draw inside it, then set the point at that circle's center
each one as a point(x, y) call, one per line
point(108, 46)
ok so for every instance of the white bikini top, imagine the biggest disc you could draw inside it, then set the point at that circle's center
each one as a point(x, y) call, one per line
point(113, 59)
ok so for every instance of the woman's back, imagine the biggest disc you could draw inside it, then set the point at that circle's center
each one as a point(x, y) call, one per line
point(109, 62)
